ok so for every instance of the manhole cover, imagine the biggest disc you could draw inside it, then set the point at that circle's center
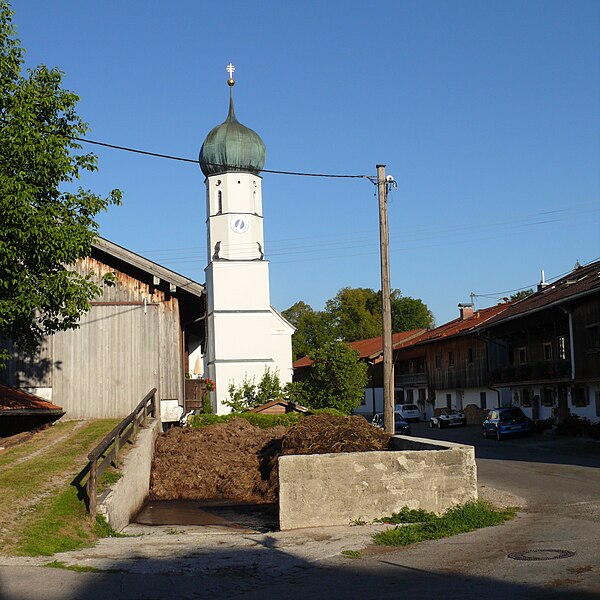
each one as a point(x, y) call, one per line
point(541, 554)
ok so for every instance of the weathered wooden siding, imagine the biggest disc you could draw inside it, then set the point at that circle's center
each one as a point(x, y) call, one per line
point(29, 371)
point(106, 366)
point(170, 350)
point(586, 337)
point(129, 342)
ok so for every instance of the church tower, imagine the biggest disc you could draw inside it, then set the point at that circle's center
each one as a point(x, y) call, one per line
point(245, 335)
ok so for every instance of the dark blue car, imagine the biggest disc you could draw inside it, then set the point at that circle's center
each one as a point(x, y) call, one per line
point(506, 421)
point(401, 427)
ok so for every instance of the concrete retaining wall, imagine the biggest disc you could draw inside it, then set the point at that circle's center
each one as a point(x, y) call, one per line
point(126, 496)
point(337, 489)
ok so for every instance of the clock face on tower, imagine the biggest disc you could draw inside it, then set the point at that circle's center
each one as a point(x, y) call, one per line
point(239, 224)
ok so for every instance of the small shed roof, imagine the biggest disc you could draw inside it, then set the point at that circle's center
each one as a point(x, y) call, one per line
point(289, 406)
point(19, 402)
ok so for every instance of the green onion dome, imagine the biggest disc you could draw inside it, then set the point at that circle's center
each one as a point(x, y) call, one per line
point(232, 147)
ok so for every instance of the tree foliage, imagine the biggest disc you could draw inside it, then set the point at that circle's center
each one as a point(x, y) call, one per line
point(522, 294)
point(45, 228)
point(337, 378)
point(353, 314)
point(356, 313)
point(313, 328)
point(249, 394)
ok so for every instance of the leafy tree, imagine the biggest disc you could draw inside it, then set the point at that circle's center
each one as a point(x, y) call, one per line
point(337, 378)
point(356, 313)
point(250, 394)
point(352, 314)
point(522, 294)
point(409, 313)
point(313, 328)
point(44, 227)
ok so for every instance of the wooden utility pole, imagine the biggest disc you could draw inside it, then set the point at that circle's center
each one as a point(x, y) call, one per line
point(386, 306)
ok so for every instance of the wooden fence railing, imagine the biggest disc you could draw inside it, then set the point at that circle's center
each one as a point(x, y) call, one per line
point(107, 451)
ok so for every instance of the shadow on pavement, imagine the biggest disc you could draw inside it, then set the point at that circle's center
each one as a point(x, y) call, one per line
point(264, 572)
point(583, 452)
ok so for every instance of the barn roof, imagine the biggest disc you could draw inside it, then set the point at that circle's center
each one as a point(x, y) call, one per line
point(150, 267)
point(372, 347)
point(465, 325)
point(580, 282)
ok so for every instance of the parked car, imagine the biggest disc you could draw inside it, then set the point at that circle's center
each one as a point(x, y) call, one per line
point(400, 425)
point(506, 421)
point(409, 412)
point(448, 418)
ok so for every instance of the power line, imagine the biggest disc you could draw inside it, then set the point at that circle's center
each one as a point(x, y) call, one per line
point(371, 178)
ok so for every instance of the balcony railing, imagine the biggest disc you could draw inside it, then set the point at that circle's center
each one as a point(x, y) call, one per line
point(411, 379)
point(541, 371)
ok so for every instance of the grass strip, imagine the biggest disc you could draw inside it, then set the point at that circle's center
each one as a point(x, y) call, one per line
point(38, 442)
point(65, 458)
point(415, 526)
point(57, 564)
point(41, 511)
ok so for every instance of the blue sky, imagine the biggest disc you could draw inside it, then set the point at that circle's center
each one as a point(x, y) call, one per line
point(486, 113)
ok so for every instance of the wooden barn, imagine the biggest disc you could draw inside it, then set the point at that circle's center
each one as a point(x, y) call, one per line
point(137, 336)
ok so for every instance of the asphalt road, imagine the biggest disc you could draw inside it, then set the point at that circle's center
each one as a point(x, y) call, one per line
point(558, 479)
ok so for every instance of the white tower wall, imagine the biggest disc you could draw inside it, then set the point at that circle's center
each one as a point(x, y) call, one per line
point(245, 335)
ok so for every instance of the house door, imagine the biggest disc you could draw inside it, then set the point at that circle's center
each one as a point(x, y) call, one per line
point(460, 394)
point(562, 410)
point(535, 408)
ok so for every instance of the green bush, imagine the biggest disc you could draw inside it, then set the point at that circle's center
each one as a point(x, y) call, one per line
point(256, 419)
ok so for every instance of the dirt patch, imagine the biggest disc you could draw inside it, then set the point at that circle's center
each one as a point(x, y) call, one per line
point(238, 461)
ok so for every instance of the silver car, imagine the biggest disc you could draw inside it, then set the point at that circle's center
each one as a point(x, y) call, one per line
point(409, 412)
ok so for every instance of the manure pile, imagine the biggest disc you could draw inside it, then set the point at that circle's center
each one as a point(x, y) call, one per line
point(237, 461)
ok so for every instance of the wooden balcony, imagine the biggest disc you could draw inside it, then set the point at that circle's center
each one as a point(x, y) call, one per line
point(541, 371)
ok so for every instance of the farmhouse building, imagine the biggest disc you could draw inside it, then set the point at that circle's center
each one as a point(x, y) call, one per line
point(446, 367)
point(549, 343)
point(136, 336)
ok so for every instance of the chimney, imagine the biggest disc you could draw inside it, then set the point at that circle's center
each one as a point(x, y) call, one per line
point(466, 311)
point(542, 284)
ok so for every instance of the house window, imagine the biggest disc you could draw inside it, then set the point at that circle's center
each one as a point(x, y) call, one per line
point(579, 395)
point(438, 361)
point(470, 356)
point(562, 351)
point(548, 396)
point(522, 353)
point(409, 396)
point(219, 202)
point(422, 396)
point(482, 399)
point(450, 359)
point(448, 400)
point(526, 397)
point(548, 351)
point(593, 338)
point(411, 366)
point(399, 396)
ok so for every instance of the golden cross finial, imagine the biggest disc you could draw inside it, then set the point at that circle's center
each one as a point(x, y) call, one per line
point(230, 70)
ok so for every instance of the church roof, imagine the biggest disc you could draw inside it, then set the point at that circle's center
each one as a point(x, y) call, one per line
point(232, 146)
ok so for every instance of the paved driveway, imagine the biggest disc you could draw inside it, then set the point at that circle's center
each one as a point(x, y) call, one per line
point(558, 479)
